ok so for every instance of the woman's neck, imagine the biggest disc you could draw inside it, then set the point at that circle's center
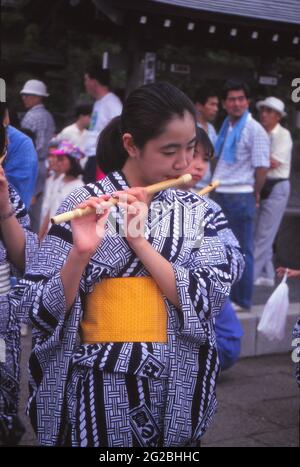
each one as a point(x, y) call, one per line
point(69, 178)
point(132, 176)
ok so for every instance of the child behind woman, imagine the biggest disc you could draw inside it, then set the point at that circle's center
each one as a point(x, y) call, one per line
point(63, 182)
point(228, 328)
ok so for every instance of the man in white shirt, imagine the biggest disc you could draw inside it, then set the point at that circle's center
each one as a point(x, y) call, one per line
point(275, 193)
point(206, 103)
point(106, 107)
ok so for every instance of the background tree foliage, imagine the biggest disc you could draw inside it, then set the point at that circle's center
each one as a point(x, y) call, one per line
point(54, 41)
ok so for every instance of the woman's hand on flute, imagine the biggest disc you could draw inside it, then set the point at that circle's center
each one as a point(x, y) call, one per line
point(136, 213)
point(134, 203)
point(88, 231)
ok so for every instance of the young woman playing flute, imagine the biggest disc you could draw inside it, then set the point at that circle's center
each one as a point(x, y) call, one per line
point(140, 283)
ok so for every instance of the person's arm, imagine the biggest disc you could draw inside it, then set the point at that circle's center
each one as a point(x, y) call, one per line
point(12, 232)
point(158, 267)
point(290, 272)
point(260, 157)
point(14, 241)
point(134, 203)
point(260, 178)
point(88, 233)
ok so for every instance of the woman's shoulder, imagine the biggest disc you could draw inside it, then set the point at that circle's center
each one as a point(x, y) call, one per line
point(192, 202)
point(190, 198)
point(77, 196)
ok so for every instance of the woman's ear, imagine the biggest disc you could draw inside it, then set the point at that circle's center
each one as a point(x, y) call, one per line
point(129, 145)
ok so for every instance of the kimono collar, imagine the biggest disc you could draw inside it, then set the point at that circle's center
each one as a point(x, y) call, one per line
point(119, 182)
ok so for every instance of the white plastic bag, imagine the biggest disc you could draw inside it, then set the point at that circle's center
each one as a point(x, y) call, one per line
point(273, 320)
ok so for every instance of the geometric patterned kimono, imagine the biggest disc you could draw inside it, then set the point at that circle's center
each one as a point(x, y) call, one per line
point(128, 394)
point(233, 250)
point(10, 431)
point(296, 335)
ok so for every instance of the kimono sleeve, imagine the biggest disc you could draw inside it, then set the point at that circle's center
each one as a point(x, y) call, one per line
point(234, 253)
point(203, 285)
point(41, 292)
point(296, 335)
point(31, 239)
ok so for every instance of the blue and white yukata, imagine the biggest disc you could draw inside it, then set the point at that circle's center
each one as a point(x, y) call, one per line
point(128, 394)
point(228, 328)
point(10, 431)
point(296, 334)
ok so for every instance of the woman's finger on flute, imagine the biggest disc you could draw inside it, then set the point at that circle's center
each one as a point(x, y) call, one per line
point(98, 204)
point(132, 194)
point(130, 208)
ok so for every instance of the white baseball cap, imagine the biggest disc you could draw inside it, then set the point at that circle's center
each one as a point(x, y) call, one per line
point(35, 87)
point(272, 103)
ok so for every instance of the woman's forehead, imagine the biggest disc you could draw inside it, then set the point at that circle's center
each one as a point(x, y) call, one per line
point(181, 127)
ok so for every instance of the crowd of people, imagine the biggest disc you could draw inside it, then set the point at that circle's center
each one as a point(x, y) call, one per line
point(133, 315)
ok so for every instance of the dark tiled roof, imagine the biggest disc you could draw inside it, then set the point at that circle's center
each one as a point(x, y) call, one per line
point(287, 11)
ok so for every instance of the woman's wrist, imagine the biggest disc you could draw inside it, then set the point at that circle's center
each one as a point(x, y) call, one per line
point(6, 213)
point(137, 243)
point(81, 258)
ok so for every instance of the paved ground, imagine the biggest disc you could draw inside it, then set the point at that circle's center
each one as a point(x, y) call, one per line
point(258, 404)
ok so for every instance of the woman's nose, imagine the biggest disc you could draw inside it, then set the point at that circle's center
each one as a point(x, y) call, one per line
point(183, 160)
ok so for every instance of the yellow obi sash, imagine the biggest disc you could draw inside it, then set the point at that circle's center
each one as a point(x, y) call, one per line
point(124, 309)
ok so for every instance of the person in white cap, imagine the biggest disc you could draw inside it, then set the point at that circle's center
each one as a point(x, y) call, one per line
point(40, 122)
point(275, 193)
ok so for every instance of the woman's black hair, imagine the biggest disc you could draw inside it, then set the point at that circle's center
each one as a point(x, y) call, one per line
point(83, 109)
point(75, 169)
point(203, 139)
point(146, 112)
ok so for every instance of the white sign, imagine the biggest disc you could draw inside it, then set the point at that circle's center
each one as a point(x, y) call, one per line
point(149, 67)
point(2, 90)
point(270, 80)
point(180, 68)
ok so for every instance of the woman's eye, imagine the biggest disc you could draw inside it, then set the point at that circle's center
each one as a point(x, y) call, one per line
point(169, 153)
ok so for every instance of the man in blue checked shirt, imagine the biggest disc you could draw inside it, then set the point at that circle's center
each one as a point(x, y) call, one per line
point(41, 124)
point(243, 152)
